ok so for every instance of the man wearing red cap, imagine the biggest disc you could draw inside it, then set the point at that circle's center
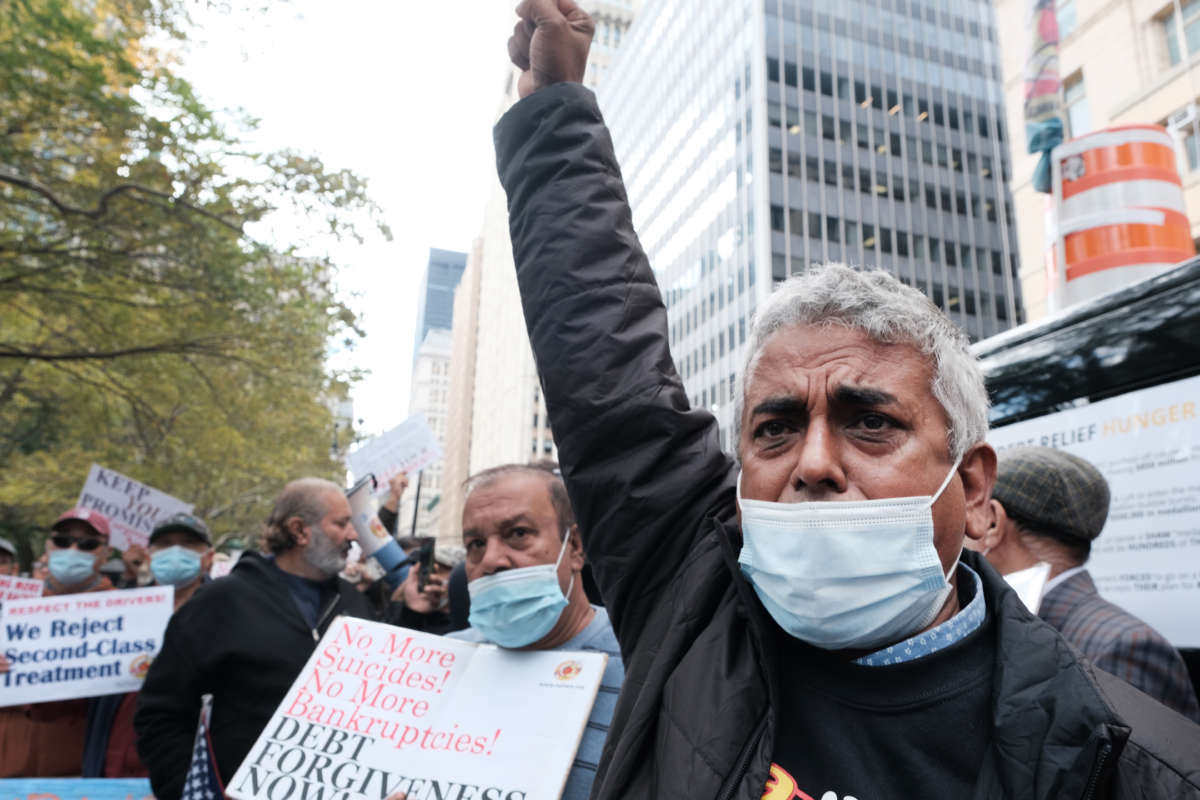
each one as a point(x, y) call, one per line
point(46, 739)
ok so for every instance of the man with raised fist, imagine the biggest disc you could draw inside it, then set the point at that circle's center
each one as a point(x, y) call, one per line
point(804, 622)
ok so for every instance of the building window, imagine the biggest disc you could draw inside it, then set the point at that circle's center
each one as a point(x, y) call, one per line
point(1191, 29)
point(1079, 115)
point(1191, 148)
point(1065, 10)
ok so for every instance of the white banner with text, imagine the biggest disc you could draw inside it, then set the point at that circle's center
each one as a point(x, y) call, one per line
point(379, 709)
point(1147, 445)
point(132, 508)
point(408, 447)
point(81, 645)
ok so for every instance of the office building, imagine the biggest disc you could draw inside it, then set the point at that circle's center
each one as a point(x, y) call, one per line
point(757, 138)
point(1125, 62)
point(435, 300)
point(429, 396)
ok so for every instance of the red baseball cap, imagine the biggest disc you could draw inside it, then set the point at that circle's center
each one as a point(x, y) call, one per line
point(94, 519)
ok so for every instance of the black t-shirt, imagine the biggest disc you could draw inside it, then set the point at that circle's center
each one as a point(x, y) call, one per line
point(917, 729)
point(311, 596)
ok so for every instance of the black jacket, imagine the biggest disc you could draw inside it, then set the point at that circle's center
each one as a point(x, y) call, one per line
point(241, 639)
point(654, 496)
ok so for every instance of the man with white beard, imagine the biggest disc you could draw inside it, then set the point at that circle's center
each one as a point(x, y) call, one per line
point(244, 638)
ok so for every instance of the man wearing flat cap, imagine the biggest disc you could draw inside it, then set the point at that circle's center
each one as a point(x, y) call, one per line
point(181, 554)
point(1047, 508)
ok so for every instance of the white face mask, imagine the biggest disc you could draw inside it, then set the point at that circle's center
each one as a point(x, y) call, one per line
point(1029, 583)
point(856, 574)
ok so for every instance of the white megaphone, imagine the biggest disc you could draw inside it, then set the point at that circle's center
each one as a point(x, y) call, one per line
point(373, 538)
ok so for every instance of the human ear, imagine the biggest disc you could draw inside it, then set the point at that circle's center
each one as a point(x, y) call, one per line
point(296, 527)
point(978, 473)
point(575, 548)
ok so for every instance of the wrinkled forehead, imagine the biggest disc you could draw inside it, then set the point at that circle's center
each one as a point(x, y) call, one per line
point(505, 496)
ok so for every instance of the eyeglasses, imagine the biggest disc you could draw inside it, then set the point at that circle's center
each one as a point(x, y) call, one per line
point(86, 545)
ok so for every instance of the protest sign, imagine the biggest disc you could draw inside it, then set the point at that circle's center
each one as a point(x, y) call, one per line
point(75, 789)
point(408, 447)
point(132, 508)
point(1147, 445)
point(81, 645)
point(16, 588)
point(379, 709)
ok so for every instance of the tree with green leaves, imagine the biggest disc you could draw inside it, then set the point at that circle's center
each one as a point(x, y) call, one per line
point(141, 325)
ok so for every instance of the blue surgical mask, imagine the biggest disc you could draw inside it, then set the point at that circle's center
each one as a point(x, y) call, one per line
point(855, 574)
point(517, 607)
point(71, 567)
point(175, 566)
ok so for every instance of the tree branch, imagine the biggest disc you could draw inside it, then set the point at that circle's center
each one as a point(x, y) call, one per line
point(101, 208)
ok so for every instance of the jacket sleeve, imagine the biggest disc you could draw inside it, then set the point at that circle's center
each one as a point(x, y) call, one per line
point(1144, 659)
point(388, 519)
point(168, 707)
point(641, 467)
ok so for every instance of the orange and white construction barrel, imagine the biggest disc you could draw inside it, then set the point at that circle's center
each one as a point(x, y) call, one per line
point(1120, 213)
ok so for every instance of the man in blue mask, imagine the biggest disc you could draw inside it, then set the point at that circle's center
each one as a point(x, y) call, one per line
point(181, 553)
point(47, 739)
point(803, 622)
point(524, 559)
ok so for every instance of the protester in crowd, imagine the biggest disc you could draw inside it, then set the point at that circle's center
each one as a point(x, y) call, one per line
point(244, 638)
point(779, 642)
point(180, 553)
point(428, 609)
point(1046, 509)
point(8, 558)
point(368, 578)
point(45, 740)
point(524, 556)
point(133, 570)
point(390, 510)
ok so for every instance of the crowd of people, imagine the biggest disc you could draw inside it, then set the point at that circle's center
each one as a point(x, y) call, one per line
point(825, 615)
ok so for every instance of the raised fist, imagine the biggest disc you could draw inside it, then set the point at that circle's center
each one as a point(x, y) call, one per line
point(550, 43)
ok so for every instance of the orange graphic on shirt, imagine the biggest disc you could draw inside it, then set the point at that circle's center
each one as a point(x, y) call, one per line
point(782, 786)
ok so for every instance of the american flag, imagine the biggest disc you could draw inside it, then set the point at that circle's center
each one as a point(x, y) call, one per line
point(203, 781)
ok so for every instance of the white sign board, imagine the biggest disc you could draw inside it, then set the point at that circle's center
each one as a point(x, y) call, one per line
point(81, 645)
point(1147, 444)
point(408, 447)
point(132, 508)
point(13, 587)
point(379, 709)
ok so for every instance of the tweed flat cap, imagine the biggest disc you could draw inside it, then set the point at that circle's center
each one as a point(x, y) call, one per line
point(1053, 492)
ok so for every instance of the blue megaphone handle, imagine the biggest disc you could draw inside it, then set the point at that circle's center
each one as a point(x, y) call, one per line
point(394, 562)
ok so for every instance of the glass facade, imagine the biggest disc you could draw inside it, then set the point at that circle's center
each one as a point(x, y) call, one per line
point(776, 134)
point(435, 304)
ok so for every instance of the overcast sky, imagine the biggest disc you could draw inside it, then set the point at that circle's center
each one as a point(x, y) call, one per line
point(402, 92)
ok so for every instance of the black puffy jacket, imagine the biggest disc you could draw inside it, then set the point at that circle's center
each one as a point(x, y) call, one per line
point(654, 495)
point(241, 639)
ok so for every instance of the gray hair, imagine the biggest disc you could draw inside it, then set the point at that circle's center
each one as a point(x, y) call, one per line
point(889, 312)
point(547, 470)
point(303, 498)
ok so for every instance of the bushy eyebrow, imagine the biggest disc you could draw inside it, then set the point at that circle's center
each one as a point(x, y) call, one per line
point(863, 396)
point(785, 406)
point(505, 524)
point(845, 395)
